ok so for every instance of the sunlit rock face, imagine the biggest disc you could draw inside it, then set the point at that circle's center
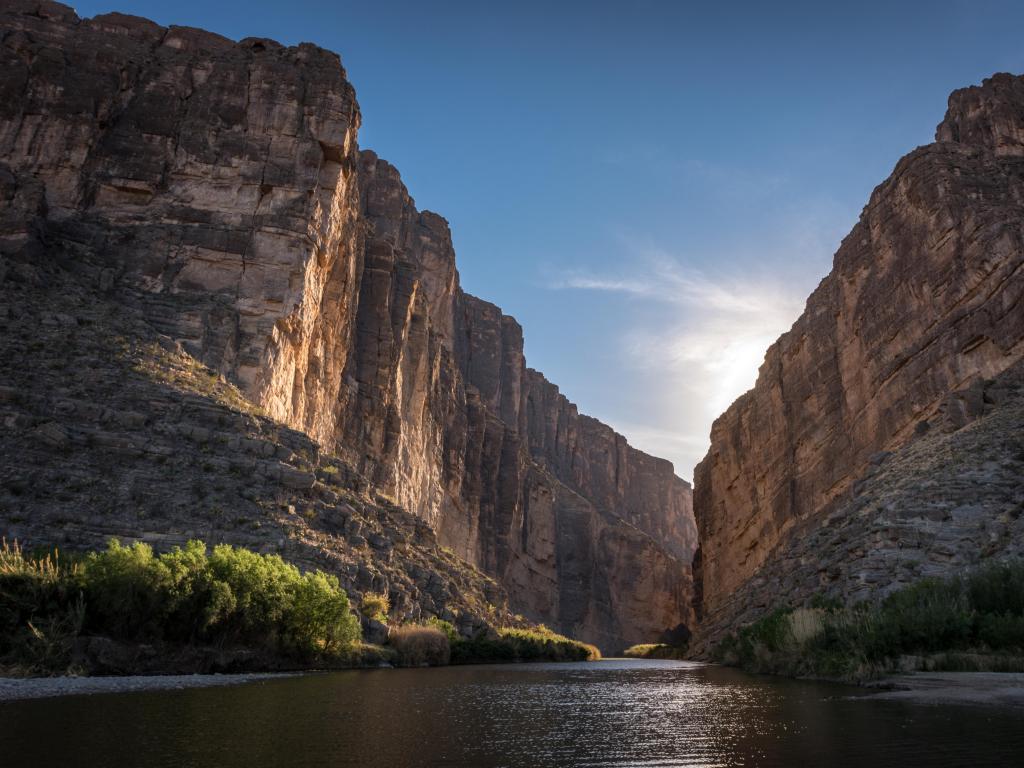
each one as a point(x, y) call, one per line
point(439, 409)
point(215, 177)
point(924, 304)
point(219, 188)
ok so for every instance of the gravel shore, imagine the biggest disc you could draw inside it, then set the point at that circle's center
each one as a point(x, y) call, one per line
point(994, 688)
point(13, 689)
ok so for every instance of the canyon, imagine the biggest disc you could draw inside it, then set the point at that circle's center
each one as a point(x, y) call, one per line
point(221, 316)
point(883, 441)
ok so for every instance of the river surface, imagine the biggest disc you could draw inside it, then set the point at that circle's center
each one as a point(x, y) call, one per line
point(609, 713)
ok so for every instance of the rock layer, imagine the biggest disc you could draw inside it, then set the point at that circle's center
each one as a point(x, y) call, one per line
point(218, 188)
point(925, 300)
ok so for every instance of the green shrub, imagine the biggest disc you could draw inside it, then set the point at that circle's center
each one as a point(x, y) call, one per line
point(1002, 632)
point(482, 650)
point(196, 601)
point(997, 588)
point(947, 618)
point(418, 645)
point(229, 597)
point(931, 615)
point(125, 590)
point(261, 588)
point(541, 644)
point(445, 626)
point(320, 619)
point(516, 644)
point(375, 605)
point(654, 651)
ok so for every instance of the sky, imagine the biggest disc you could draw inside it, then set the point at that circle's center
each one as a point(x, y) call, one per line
point(651, 188)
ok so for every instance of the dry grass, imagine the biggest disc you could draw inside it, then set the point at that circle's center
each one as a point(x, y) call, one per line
point(806, 624)
point(183, 372)
point(420, 646)
point(46, 568)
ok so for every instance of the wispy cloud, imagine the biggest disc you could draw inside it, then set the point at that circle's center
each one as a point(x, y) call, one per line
point(717, 328)
point(700, 340)
point(696, 319)
point(668, 281)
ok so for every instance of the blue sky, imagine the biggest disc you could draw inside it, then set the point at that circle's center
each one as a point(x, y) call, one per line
point(651, 188)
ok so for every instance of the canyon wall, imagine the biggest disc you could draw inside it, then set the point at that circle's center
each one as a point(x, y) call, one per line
point(920, 317)
point(218, 189)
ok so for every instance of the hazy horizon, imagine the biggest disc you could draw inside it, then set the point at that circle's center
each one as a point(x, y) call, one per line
point(653, 191)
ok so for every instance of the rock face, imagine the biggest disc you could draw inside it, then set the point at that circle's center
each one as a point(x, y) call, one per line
point(938, 505)
point(921, 315)
point(111, 429)
point(217, 188)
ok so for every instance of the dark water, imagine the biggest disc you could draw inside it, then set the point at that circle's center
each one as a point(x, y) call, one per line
point(612, 713)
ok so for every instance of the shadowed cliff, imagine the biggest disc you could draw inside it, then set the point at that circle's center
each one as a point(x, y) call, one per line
point(217, 190)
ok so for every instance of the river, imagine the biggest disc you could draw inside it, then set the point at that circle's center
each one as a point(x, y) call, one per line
point(608, 713)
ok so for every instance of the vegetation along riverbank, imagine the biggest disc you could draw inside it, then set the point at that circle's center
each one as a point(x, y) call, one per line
point(656, 651)
point(972, 622)
point(127, 610)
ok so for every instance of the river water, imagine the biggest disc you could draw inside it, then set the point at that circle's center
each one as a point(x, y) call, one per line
point(609, 713)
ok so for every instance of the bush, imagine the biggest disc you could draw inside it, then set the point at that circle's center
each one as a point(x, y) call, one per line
point(931, 615)
point(375, 605)
point(541, 644)
point(231, 597)
point(997, 588)
point(949, 618)
point(125, 589)
point(655, 651)
point(482, 650)
point(420, 646)
point(445, 626)
point(320, 619)
point(1002, 632)
point(537, 644)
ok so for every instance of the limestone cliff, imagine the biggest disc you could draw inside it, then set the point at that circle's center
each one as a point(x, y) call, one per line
point(921, 315)
point(217, 188)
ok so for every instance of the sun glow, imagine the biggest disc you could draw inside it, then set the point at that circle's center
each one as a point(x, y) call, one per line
point(700, 347)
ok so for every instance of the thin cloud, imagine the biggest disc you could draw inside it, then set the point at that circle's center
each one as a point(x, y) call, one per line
point(702, 337)
point(692, 339)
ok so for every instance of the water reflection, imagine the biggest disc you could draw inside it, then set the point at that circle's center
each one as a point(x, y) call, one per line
point(614, 713)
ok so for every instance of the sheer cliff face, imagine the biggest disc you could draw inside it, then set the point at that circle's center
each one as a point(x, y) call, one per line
point(218, 188)
point(218, 177)
point(925, 299)
point(440, 410)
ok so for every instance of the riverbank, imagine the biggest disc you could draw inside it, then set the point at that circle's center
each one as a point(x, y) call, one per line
point(986, 688)
point(21, 688)
point(972, 622)
point(127, 611)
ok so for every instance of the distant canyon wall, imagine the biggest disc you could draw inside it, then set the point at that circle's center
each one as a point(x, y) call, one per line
point(220, 187)
point(920, 317)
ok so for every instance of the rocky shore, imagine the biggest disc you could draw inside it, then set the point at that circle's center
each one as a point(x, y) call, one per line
point(15, 689)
